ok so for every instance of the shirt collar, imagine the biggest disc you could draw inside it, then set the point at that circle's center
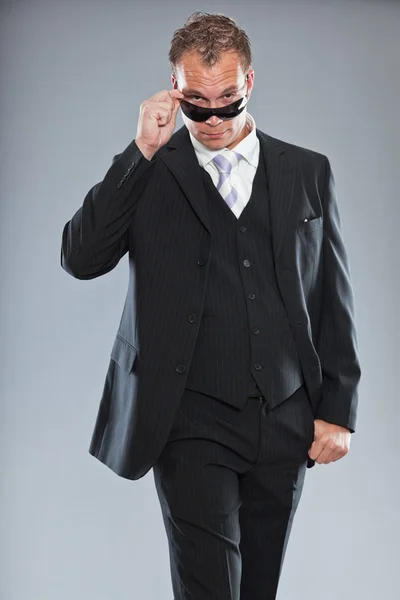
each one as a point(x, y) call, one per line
point(247, 146)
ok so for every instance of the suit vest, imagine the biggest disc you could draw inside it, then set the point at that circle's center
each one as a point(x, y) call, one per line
point(245, 345)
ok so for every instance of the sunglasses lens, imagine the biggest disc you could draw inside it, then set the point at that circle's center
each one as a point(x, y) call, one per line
point(199, 113)
point(192, 112)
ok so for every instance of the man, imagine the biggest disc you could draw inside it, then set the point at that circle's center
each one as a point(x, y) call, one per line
point(235, 362)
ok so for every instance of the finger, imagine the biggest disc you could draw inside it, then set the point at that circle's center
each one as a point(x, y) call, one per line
point(162, 96)
point(164, 119)
point(175, 93)
point(326, 455)
point(177, 103)
point(315, 449)
point(167, 106)
point(170, 108)
point(176, 97)
point(162, 116)
point(338, 458)
point(318, 452)
point(168, 96)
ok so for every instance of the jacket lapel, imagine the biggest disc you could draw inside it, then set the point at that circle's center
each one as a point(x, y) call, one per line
point(180, 158)
point(183, 164)
point(283, 181)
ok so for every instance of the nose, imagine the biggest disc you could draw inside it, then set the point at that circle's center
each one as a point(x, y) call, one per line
point(214, 121)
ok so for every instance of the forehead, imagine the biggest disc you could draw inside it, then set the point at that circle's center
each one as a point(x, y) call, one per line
point(192, 73)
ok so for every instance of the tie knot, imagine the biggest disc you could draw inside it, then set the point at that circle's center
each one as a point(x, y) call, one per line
point(226, 160)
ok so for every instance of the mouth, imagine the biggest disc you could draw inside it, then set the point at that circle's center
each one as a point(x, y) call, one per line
point(214, 135)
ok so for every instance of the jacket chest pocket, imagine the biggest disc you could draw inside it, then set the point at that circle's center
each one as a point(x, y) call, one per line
point(309, 226)
point(308, 251)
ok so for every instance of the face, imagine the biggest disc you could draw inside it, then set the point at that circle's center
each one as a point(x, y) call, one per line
point(214, 87)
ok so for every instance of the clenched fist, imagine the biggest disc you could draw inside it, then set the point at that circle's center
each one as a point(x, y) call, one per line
point(156, 122)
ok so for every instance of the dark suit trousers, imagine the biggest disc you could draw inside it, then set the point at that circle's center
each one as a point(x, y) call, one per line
point(229, 482)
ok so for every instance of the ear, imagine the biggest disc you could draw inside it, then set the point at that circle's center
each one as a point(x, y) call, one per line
point(250, 81)
point(250, 77)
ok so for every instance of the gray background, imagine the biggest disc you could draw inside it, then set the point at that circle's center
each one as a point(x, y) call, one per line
point(73, 75)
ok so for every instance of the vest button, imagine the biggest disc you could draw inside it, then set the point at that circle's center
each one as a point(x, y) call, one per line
point(242, 229)
point(246, 263)
point(257, 367)
point(255, 330)
point(192, 318)
point(201, 260)
point(252, 296)
point(180, 369)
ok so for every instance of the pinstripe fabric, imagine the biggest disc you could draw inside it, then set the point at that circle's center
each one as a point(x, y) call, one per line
point(156, 212)
point(245, 343)
point(229, 484)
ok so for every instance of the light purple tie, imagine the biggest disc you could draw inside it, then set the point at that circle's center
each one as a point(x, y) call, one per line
point(224, 163)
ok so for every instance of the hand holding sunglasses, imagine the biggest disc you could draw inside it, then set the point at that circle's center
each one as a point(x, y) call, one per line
point(157, 119)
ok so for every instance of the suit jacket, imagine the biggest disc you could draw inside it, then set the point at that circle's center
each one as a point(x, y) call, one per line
point(155, 211)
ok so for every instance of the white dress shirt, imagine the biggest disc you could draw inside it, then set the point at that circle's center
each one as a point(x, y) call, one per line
point(243, 173)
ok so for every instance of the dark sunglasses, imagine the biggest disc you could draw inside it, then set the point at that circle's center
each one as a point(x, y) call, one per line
point(200, 113)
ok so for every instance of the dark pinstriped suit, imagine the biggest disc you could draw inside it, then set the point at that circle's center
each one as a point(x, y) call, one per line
point(245, 344)
point(255, 456)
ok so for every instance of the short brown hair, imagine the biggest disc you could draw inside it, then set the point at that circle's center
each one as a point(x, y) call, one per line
point(209, 34)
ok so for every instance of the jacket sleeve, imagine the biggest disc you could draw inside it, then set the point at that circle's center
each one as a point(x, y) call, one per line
point(337, 339)
point(96, 237)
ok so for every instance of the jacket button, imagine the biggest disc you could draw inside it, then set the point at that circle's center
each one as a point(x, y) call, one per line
point(242, 229)
point(180, 369)
point(255, 330)
point(201, 261)
point(257, 367)
point(246, 263)
point(252, 296)
point(192, 318)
